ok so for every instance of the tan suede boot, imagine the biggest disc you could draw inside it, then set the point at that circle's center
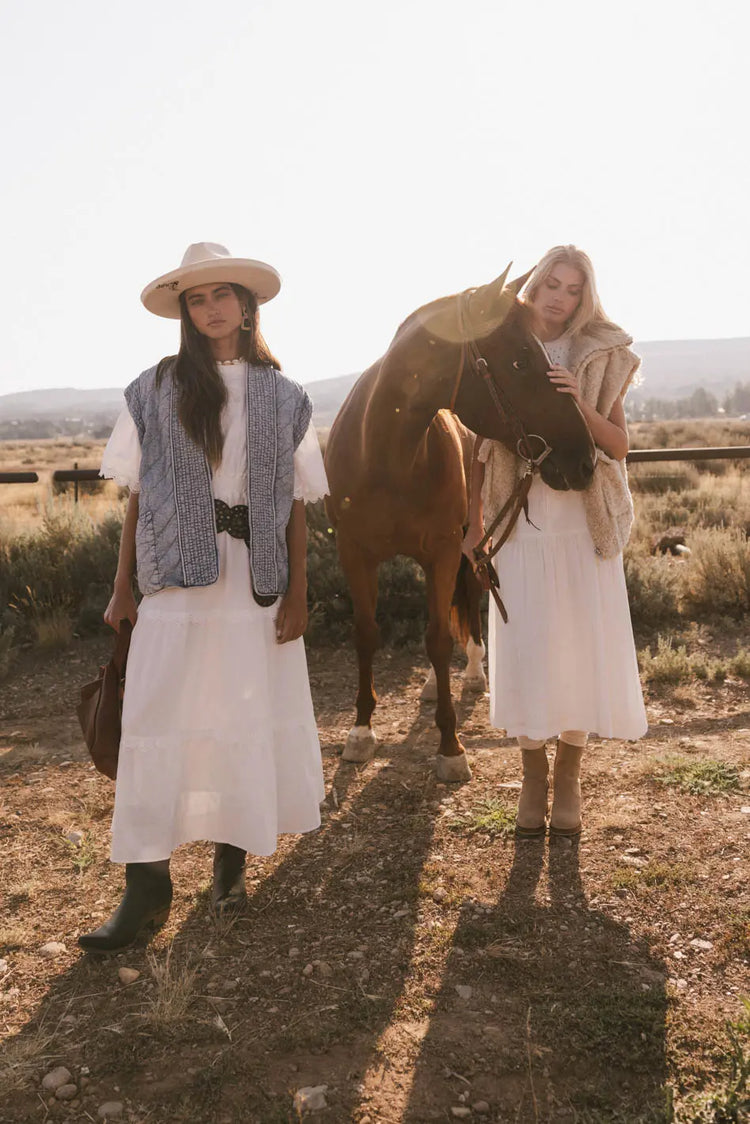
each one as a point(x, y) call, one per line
point(565, 819)
point(532, 803)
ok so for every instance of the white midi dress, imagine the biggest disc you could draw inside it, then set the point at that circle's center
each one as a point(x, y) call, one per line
point(219, 740)
point(565, 660)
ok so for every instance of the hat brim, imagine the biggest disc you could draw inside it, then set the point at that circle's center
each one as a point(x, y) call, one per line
point(162, 296)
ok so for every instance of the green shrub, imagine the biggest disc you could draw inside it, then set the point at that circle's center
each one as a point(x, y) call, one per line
point(671, 664)
point(718, 575)
point(7, 634)
point(653, 585)
point(701, 777)
point(740, 663)
point(48, 576)
point(668, 665)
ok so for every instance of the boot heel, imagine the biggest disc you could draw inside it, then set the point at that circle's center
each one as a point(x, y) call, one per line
point(159, 919)
point(144, 907)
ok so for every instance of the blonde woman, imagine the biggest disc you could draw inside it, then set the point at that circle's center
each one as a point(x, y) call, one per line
point(565, 662)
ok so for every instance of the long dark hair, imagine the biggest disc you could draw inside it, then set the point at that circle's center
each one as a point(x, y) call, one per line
point(202, 394)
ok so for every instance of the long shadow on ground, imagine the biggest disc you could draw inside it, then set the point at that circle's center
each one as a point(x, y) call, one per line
point(295, 993)
point(567, 1019)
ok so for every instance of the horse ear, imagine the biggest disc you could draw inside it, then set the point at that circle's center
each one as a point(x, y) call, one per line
point(518, 282)
point(496, 288)
point(491, 303)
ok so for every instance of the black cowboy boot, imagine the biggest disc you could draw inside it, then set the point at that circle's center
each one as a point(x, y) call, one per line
point(145, 906)
point(229, 894)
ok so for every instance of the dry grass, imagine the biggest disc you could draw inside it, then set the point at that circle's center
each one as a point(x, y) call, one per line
point(174, 989)
point(23, 506)
point(579, 1010)
point(21, 1059)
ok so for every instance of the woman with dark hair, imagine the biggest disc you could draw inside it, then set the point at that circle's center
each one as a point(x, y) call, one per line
point(219, 738)
point(564, 663)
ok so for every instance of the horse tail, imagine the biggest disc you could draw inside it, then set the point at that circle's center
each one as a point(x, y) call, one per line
point(467, 595)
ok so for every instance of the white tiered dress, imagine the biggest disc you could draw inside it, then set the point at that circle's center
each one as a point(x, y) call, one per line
point(219, 740)
point(566, 659)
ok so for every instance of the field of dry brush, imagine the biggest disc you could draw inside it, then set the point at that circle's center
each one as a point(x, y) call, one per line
point(409, 956)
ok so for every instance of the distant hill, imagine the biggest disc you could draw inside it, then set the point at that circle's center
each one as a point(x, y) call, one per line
point(68, 400)
point(671, 369)
point(675, 368)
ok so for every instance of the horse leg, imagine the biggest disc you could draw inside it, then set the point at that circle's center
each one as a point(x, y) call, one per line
point(362, 575)
point(474, 677)
point(429, 691)
point(451, 763)
point(467, 622)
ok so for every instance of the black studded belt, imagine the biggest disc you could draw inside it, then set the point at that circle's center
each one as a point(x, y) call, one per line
point(235, 521)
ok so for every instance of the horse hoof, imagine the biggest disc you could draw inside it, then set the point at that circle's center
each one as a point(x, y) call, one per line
point(360, 745)
point(452, 769)
point(476, 683)
point(429, 691)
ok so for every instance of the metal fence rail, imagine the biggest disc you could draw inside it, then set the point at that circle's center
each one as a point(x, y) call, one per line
point(77, 475)
point(724, 452)
point(18, 478)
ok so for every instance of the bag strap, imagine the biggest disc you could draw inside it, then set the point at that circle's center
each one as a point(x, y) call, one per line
point(122, 644)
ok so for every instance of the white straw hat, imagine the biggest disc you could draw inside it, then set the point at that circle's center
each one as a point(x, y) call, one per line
point(203, 263)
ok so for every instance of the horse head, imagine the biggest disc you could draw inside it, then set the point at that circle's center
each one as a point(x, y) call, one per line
point(501, 388)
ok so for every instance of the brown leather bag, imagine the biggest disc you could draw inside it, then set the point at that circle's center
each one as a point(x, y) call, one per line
point(100, 708)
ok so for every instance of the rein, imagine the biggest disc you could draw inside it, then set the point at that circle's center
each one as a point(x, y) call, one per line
point(517, 502)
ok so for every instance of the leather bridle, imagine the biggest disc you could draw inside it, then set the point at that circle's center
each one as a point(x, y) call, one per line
point(517, 502)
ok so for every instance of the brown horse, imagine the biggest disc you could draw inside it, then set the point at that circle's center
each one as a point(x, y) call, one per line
point(397, 457)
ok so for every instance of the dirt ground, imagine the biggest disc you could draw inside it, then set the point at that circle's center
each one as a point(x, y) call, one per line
point(409, 955)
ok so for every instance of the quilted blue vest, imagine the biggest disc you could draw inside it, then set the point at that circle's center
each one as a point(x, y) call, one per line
point(175, 538)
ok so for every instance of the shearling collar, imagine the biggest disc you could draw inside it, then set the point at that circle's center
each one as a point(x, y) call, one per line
point(585, 345)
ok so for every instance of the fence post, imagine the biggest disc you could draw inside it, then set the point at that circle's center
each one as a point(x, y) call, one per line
point(75, 469)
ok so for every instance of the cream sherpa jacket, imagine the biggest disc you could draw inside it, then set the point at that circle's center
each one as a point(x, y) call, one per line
point(604, 367)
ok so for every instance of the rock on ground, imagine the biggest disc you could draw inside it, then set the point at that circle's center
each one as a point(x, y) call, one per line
point(52, 949)
point(55, 1078)
point(110, 1110)
point(310, 1099)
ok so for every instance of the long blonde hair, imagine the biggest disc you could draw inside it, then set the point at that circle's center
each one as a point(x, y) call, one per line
point(589, 317)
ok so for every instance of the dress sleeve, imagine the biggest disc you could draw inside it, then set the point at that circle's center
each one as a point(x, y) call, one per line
point(122, 457)
point(310, 482)
point(485, 450)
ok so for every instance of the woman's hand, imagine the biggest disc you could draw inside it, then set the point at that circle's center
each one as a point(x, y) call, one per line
point(121, 607)
point(472, 538)
point(564, 381)
point(291, 619)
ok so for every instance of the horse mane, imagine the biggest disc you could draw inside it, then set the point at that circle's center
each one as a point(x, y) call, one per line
point(418, 318)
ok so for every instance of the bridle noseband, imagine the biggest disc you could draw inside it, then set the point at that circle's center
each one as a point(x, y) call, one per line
point(518, 499)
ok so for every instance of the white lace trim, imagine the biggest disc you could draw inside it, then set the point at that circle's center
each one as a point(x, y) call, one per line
point(310, 480)
point(121, 473)
point(122, 457)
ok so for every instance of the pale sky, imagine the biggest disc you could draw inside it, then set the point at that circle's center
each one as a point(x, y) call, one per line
point(379, 155)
